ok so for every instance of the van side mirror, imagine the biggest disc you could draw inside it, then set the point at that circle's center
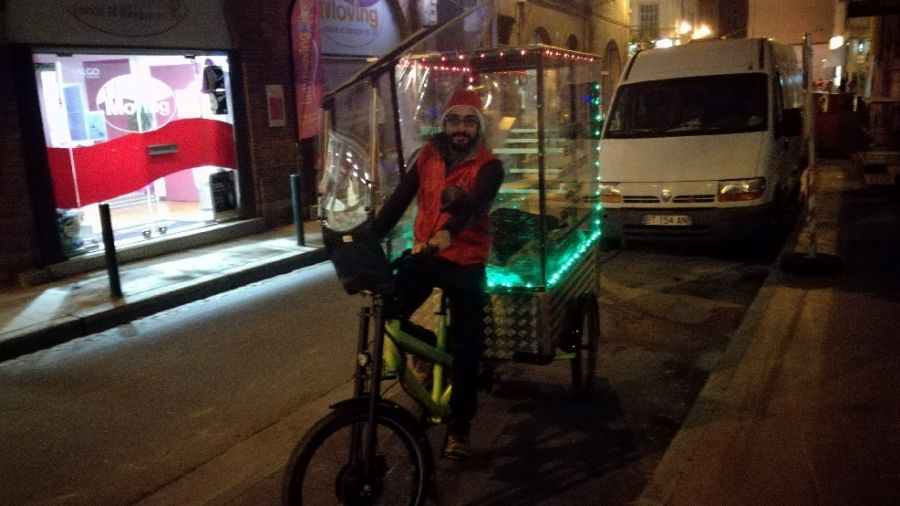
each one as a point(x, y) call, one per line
point(791, 123)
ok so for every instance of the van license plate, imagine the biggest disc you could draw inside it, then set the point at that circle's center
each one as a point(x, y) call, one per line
point(669, 220)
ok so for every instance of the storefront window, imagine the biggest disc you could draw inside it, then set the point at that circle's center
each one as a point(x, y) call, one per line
point(150, 135)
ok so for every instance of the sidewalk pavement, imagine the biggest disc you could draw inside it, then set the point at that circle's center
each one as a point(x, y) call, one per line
point(37, 317)
point(804, 407)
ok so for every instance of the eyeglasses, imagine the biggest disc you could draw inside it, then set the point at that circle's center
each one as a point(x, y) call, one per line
point(454, 120)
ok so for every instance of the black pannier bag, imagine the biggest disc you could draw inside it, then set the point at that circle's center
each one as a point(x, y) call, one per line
point(358, 259)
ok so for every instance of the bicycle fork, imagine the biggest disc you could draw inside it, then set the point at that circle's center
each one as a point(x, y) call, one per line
point(363, 360)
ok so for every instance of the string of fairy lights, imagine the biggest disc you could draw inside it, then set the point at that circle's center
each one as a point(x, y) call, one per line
point(461, 62)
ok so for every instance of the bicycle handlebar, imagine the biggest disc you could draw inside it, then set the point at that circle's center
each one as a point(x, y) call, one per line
point(426, 252)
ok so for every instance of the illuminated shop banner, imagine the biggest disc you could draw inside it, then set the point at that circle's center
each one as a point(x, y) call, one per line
point(358, 27)
point(342, 28)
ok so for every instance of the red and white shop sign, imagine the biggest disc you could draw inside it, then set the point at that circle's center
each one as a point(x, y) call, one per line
point(148, 103)
point(358, 27)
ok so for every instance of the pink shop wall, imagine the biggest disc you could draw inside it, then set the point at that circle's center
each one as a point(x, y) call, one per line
point(180, 187)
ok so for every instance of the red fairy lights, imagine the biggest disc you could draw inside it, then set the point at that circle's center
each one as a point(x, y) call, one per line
point(444, 63)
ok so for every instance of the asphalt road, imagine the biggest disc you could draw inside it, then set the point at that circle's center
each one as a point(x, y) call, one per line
point(116, 416)
point(667, 314)
point(202, 404)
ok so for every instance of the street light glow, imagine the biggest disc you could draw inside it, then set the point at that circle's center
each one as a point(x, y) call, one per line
point(836, 42)
point(702, 32)
point(664, 43)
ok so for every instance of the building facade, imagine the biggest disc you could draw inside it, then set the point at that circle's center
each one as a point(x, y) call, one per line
point(660, 23)
point(788, 21)
point(179, 115)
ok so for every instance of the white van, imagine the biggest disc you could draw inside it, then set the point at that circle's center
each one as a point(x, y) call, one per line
point(704, 141)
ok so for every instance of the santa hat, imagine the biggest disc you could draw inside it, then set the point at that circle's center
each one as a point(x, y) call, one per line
point(464, 102)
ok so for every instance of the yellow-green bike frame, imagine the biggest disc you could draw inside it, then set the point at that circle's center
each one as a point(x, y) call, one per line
point(436, 403)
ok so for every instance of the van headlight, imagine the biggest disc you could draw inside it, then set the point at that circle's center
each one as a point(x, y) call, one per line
point(610, 194)
point(742, 190)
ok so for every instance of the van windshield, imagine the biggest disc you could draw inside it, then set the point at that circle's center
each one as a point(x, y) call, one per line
point(704, 105)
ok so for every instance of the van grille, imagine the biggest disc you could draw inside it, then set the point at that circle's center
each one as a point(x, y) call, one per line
point(680, 199)
point(693, 199)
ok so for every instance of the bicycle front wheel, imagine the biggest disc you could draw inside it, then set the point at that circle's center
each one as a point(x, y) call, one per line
point(328, 467)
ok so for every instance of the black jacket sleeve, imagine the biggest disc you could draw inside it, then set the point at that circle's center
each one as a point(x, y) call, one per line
point(479, 199)
point(396, 204)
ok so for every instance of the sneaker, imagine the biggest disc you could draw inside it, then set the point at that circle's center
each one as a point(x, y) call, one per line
point(458, 447)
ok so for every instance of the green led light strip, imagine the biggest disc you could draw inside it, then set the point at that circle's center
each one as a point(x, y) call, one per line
point(579, 252)
point(500, 279)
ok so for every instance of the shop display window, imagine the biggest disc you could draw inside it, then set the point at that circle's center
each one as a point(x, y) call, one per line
point(151, 135)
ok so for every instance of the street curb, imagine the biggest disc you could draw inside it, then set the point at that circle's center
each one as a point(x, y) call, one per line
point(69, 328)
point(671, 467)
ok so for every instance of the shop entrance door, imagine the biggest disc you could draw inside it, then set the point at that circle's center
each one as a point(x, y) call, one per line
point(143, 133)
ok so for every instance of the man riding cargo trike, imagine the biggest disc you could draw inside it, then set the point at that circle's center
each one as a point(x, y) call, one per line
point(498, 148)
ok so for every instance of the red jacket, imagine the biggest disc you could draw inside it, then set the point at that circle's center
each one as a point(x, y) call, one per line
point(473, 244)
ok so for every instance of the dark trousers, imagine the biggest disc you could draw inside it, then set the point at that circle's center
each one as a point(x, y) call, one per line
point(464, 286)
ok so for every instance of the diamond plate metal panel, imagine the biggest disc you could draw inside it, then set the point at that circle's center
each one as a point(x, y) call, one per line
point(511, 325)
point(533, 323)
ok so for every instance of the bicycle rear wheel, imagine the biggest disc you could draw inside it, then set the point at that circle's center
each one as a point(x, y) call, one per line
point(327, 465)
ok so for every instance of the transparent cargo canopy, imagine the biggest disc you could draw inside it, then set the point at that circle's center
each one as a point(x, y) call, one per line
point(542, 113)
point(346, 187)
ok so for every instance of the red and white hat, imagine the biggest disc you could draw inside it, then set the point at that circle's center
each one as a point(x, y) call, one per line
point(464, 102)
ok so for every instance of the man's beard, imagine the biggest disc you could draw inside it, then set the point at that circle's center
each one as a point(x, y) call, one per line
point(461, 142)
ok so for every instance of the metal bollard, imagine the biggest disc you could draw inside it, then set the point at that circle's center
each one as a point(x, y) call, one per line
point(109, 248)
point(297, 201)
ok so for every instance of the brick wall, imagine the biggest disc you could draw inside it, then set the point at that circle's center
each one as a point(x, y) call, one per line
point(18, 247)
point(263, 48)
